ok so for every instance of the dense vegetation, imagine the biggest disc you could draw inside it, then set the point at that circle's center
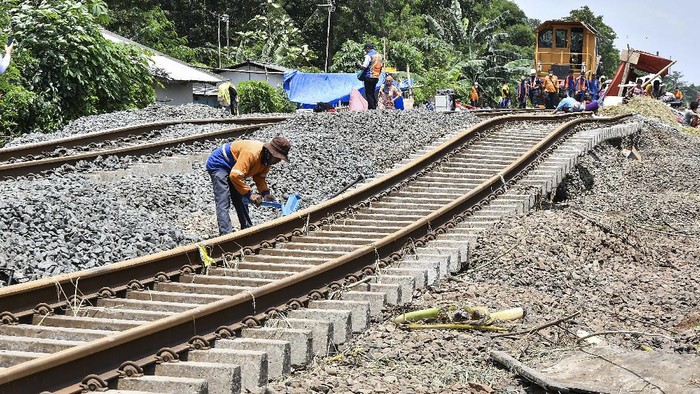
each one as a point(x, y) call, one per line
point(62, 67)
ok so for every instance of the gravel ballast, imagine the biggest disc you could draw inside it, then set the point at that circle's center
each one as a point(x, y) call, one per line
point(112, 209)
point(621, 246)
point(632, 265)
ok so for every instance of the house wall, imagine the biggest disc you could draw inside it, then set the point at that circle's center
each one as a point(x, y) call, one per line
point(256, 74)
point(175, 93)
point(206, 100)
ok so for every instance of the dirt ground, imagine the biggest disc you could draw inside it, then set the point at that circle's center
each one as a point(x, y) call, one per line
point(619, 245)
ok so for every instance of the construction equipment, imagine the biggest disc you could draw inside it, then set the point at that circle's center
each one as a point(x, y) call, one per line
point(293, 203)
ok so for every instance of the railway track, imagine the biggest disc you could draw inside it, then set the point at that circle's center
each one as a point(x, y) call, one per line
point(140, 140)
point(403, 230)
point(132, 140)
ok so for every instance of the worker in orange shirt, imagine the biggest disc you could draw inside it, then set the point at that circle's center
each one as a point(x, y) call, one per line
point(678, 94)
point(550, 88)
point(230, 164)
point(474, 95)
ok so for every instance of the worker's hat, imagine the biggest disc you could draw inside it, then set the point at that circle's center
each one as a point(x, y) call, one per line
point(279, 147)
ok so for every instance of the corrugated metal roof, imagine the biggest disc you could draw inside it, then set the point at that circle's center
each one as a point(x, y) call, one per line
point(247, 63)
point(175, 70)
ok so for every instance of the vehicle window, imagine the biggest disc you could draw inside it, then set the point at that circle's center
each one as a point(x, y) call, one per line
point(577, 46)
point(545, 38)
point(577, 40)
point(561, 37)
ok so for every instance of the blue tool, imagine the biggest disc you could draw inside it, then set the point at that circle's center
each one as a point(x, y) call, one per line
point(293, 203)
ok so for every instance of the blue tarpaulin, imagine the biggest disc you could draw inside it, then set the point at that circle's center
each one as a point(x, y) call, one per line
point(307, 89)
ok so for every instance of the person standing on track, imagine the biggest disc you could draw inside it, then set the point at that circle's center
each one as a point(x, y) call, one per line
point(388, 94)
point(523, 91)
point(230, 164)
point(371, 67)
point(474, 95)
point(550, 90)
point(535, 86)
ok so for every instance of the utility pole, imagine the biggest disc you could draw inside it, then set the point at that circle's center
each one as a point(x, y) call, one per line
point(225, 18)
point(218, 36)
point(330, 5)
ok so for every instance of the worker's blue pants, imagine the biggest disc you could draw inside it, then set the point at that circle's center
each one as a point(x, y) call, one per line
point(225, 194)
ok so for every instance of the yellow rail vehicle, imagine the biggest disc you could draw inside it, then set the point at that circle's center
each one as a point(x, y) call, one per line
point(564, 45)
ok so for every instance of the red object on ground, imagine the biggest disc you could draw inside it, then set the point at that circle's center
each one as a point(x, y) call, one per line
point(647, 63)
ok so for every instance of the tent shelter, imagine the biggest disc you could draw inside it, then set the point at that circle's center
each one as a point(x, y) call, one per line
point(307, 89)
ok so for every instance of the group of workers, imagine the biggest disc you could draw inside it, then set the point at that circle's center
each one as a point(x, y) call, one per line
point(549, 90)
point(656, 90)
point(534, 91)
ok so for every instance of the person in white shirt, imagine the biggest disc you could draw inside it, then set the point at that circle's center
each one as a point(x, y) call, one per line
point(6, 60)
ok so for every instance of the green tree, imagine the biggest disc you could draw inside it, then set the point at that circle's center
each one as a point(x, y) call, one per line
point(21, 110)
point(482, 55)
point(610, 57)
point(345, 59)
point(72, 66)
point(99, 10)
point(260, 97)
point(153, 29)
point(272, 37)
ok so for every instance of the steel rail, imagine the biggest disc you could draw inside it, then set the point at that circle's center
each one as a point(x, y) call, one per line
point(79, 140)
point(36, 166)
point(21, 300)
point(508, 111)
point(203, 322)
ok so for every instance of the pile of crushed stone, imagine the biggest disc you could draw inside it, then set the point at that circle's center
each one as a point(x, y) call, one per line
point(623, 250)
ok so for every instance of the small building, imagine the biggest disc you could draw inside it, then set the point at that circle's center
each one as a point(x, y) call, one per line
point(177, 77)
point(253, 71)
point(206, 94)
point(566, 45)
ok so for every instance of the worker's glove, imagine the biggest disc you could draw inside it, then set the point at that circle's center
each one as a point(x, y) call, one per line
point(256, 199)
point(270, 197)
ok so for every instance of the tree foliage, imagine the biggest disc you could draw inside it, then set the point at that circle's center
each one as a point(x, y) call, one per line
point(70, 65)
point(259, 96)
point(272, 37)
point(482, 55)
point(152, 28)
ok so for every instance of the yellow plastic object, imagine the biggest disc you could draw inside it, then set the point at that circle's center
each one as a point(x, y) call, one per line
point(206, 259)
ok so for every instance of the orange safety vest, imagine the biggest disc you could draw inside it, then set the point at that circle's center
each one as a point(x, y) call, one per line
point(474, 95)
point(582, 83)
point(549, 85)
point(375, 65)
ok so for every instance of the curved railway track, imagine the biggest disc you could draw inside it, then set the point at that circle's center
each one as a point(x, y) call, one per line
point(129, 317)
